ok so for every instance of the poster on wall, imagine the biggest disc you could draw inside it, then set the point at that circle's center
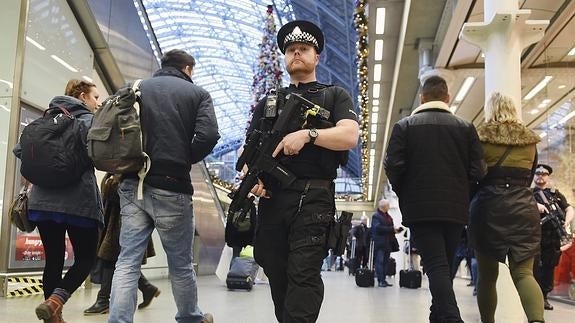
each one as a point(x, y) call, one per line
point(29, 248)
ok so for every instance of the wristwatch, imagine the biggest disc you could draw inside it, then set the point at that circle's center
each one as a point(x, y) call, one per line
point(312, 135)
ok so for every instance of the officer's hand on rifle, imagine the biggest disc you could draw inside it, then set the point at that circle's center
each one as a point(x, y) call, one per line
point(259, 190)
point(542, 208)
point(292, 143)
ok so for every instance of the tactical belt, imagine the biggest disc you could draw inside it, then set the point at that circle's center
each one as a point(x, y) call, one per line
point(509, 181)
point(302, 184)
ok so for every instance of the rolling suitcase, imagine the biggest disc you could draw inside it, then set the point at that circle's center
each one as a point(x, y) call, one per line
point(409, 278)
point(352, 263)
point(242, 273)
point(391, 269)
point(364, 276)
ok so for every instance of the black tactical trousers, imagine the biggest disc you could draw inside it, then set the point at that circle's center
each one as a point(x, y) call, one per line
point(291, 245)
point(544, 268)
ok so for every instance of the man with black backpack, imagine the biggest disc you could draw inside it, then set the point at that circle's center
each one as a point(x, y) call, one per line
point(179, 128)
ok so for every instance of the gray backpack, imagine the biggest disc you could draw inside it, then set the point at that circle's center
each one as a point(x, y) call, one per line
point(115, 138)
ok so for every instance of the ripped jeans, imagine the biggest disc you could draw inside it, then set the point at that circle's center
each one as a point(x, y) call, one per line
point(291, 245)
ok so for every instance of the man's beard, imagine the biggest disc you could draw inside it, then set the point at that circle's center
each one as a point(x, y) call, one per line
point(302, 68)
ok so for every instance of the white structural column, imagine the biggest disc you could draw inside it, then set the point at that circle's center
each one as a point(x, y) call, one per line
point(504, 34)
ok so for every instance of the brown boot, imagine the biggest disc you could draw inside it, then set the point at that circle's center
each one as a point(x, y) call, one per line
point(50, 310)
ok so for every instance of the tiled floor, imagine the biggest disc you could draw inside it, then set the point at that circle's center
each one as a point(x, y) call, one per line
point(344, 302)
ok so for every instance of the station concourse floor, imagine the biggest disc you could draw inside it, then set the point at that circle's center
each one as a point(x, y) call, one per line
point(343, 302)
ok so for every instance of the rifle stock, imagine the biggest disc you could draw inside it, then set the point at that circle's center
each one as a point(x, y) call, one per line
point(556, 218)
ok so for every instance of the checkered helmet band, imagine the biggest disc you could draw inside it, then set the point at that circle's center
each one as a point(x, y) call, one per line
point(298, 36)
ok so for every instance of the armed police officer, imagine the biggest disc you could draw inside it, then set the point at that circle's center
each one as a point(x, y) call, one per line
point(555, 213)
point(294, 220)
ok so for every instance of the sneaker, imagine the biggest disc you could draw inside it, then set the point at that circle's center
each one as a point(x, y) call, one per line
point(208, 318)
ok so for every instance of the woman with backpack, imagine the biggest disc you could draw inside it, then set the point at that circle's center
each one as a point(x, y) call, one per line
point(71, 202)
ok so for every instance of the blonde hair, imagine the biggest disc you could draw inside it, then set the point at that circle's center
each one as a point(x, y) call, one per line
point(501, 108)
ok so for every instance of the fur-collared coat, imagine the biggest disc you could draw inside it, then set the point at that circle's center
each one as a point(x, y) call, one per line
point(504, 217)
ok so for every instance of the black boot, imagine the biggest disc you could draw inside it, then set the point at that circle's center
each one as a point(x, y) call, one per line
point(149, 291)
point(102, 304)
point(547, 305)
point(100, 307)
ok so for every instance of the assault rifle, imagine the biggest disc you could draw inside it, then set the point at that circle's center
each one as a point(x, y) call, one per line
point(257, 154)
point(556, 218)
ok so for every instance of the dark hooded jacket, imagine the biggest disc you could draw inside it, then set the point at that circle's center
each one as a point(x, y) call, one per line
point(504, 217)
point(179, 126)
point(81, 199)
point(432, 159)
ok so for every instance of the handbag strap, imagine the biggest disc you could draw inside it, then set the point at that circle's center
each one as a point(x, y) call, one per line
point(503, 157)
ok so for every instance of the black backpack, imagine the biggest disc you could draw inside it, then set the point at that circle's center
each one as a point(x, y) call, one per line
point(54, 153)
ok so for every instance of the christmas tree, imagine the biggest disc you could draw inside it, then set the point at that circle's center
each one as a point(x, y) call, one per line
point(268, 74)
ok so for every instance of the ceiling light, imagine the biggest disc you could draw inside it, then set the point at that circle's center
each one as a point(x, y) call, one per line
point(375, 109)
point(542, 105)
point(375, 102)
point(378, 54)
point(35, 43)
point(542, 84)
point(376, 88)
point(543, 134)
point(562, 86)
point(373, 137)
point(377, 72)
point(464, 88)
point(380, 21)
point(374, 117)
point(87, 78)
point(63, 62)
point(546, 101)
point(374, 128)
point(372, 152)
point(571, 52)
point(534, 111)
point(567, 117)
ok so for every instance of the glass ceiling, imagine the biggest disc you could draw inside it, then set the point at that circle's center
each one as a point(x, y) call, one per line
point(223, 36)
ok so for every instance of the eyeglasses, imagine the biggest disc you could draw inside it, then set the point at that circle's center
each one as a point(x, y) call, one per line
point(541, 174)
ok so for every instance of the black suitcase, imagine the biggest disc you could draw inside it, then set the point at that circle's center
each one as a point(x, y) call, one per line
point(352, 262)
point(364, 276)
point(409, 278)
point(391, 269)
point(242, 273)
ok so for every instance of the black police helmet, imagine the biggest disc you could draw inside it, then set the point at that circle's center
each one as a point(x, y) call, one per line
point(546, 167)
point(300, 31)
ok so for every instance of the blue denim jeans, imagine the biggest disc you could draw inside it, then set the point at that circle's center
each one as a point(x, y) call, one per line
point(171, 214)
point(381, 258)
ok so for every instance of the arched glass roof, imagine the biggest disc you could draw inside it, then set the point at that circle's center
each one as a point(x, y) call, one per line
point(223, 36)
